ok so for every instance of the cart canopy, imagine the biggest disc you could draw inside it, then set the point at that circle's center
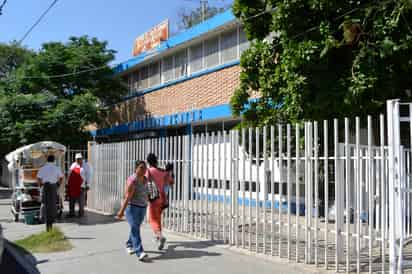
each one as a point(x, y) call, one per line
point(37, 150)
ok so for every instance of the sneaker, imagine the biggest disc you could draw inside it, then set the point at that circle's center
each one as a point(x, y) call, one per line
point(162, 243)
point(142, 256)
point(130, 250)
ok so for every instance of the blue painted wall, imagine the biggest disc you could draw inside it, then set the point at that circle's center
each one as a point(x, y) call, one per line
point(183, 118)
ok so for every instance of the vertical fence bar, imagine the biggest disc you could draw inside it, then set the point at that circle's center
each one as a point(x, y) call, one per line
point(191, 191)
point(316, 183)
point(347, 191)
point(358, 195)
point(311, 191)
point(395, 219)
point(202, 180)
point(307, 182)
point(243, 147)
point(250, 188)
point(297, 183)
point(186, 182)
point(370, 192)
point(326, 187)
point(197, 186)
point(288, 187)
point(337, 194)
point(272, 190)
point(257, 188)
point(231, 189)
point(406, 195)
point(180, 184)
point(280, 188)
point(264, 188)
point(236, 185)
point(225, 159)
point(207, 185)
point(409, 175)
point(213, 174)
point(219, 183)
point(166, 158)
point(383, 192)
point(235, 176)
point(175, 186)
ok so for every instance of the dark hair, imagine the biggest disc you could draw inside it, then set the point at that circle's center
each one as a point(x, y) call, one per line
point(152, 159)
point(50, 158)
point(169, 167)
point(138, 163)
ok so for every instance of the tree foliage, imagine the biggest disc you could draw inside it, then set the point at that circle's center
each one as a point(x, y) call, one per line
point(191, 17)
point(11, 57)
point(55, 93)
point(319, 59)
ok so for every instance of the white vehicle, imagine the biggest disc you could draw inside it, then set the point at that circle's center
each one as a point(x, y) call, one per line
point(214, 161)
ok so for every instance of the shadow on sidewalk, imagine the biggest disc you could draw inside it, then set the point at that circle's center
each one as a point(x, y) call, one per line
point(89, 218)
point(190, 250)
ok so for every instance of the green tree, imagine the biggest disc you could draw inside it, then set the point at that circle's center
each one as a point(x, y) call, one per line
point(11, 57)
point(57, 92)
point(190, 17)
point(320, 59)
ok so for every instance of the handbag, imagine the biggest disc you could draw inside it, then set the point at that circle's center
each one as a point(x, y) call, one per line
point(152, 189)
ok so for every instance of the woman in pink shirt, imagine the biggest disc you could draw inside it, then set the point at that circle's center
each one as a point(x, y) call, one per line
point(161, 178)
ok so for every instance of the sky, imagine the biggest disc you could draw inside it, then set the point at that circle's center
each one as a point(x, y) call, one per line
point(118, 22)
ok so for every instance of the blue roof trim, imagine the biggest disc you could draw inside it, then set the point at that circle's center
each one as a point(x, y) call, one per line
point(183, 37)
point(183, 118)
point(183, 79)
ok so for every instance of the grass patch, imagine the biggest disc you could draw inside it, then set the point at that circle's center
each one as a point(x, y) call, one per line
point(46, 242)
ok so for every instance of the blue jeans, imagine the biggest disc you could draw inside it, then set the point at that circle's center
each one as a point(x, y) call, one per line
point(135, 217)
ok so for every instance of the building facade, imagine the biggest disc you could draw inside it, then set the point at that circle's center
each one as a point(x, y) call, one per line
point(182, 85)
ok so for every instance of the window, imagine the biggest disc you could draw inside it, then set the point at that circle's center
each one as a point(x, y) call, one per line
point(144, 78)
point(229, 46)
point(243, 42)
point(212, 52)
point(167, 69)
point(154, 72)
point(130, 83)
point(135, 79)
point(196, 54)
point(181, 64)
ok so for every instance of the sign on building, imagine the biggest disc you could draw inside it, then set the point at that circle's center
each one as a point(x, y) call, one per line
point(151, 38)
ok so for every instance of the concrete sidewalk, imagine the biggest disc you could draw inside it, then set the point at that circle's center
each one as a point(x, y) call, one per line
point(99, 248)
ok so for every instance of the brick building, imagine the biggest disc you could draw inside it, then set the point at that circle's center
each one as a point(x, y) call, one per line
point(182, 85)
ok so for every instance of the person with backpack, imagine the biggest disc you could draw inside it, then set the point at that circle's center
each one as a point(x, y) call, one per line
point(159, 180)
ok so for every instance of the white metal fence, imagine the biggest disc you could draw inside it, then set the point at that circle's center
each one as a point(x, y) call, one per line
point(316, 193)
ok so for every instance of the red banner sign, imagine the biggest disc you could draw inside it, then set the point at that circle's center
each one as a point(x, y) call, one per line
point(152, 38)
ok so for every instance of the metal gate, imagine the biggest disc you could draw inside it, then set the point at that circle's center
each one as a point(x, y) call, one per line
point(335, 194)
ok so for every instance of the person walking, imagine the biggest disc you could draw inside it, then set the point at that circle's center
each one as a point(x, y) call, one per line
point(162, 179)
point(49, 178)
point(78, 184)
point(135, 206)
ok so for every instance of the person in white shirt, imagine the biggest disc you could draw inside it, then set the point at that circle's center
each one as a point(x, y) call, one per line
point(78, 184)
point(49, 178)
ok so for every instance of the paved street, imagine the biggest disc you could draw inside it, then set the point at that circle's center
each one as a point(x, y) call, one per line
point(98, 248)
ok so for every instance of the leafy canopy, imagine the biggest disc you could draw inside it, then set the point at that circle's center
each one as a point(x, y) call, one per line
point(56, 92)
point(316, 59)
point(189, 17)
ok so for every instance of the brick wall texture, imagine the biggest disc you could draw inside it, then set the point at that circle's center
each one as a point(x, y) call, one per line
point(212, 89)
